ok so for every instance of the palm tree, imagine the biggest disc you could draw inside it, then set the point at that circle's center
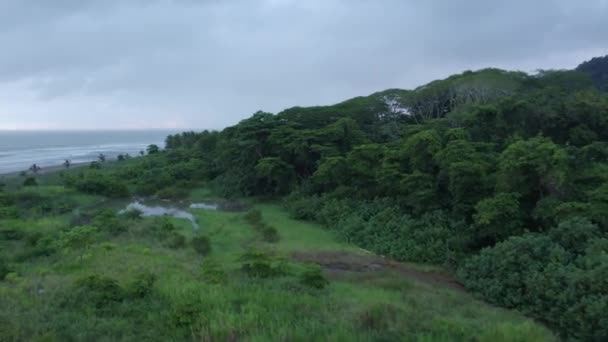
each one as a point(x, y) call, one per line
point(102, 157)
point(35, 168)
point(67, 163)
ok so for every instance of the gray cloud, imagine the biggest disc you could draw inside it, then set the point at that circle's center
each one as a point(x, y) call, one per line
point(199, 64)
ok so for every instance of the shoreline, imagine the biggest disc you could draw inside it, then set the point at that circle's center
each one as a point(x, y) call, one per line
point(44, 171)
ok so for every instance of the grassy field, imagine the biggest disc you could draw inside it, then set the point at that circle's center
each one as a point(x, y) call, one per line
point(210, 298)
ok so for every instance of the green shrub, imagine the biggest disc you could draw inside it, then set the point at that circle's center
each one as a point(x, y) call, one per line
point(4, 270)
point(575, 234)
point(159, 228)
point(12, 234)
point(141, 286)
point(186, 312)
point(107, 221)
point(302, 207)
point(313, 278)
point(212, 272)
point(77, 238)
point(270, 234)
point(260, 264)
point(9, 212)
point(96, 290)
point(133, 214)
point(201, 244)
point(536, 275)
point(30, 181)
point(96, 183)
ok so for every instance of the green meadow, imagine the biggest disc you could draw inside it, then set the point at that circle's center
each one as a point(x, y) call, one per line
point(76, 270)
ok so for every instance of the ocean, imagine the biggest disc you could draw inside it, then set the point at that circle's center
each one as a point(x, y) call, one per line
point(20, 149)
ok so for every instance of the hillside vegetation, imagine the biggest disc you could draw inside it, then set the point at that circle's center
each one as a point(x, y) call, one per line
point(500, 178)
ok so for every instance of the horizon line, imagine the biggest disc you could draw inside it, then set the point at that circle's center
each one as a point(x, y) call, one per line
point(99, 129)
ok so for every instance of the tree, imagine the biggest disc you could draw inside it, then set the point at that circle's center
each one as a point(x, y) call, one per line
point(153, 149)
point(533, 168)
point(67, 163)
point(276, 174)
point(101, 157)
point(496, 218)
point(420, 149)
point(35, 168)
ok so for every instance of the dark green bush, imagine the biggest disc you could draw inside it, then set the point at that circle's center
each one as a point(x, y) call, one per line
point(12, 234)
point(96, 183)
point(133, 214)
point(302, 207)
point(141, 286)
point(566, 289)
point(260, 264)
point(4, 270)
point(107, 221)
point(8, 212)
point(30, 181)
point(270, 234)
point(575, 234)
point(313, 277)
point(96, 290)
point(201, 244)
point(212, 272)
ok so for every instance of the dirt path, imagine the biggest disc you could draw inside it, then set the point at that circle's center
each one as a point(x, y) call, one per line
point(342, 262)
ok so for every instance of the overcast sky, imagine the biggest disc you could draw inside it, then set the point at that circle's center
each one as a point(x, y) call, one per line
point(71, 64)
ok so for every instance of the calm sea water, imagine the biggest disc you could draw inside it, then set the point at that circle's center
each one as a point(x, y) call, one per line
point(20, 149)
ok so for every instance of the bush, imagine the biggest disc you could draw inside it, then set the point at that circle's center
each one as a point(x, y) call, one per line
point(160, 228)
point(302, 207)
point(107, 220)
point(212, 272)
point(30, 181)
point(77, 238)
point(4, 270)
point(142, 285)
point(575, 234)
point(270, 234)
point(260, 264)
point(501, 272)
point(133, 214)
point(313, 277)
point(97, 290)
point(536, 275)
point(201, 245)
point(9, 212)
point(98, 184)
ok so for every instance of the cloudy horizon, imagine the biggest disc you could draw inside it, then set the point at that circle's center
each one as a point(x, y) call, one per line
point(187, 64)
